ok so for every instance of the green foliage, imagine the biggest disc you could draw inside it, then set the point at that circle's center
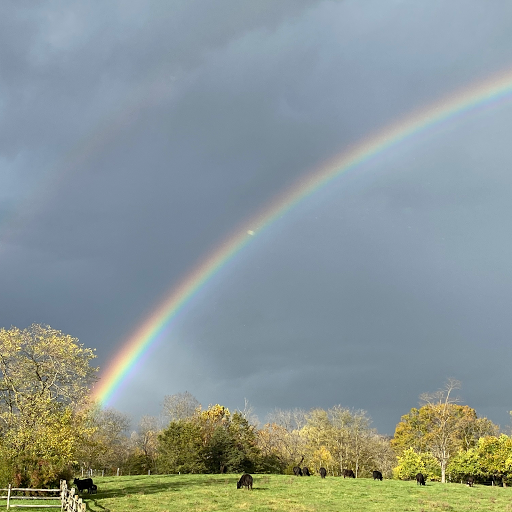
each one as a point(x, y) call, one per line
point(181, 448)
point(138, 463)
point(208, 441)
point(269, 463)
point(42, 451)
point(410, 463)
point(495, 456)
point(245, 455)
point(410, 432)
point(6, 468)
point(492, 457)
point(442, 429)
point(458, 426)
point(464, 464)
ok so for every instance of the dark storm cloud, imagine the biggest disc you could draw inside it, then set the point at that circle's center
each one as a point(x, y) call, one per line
point(136, 136)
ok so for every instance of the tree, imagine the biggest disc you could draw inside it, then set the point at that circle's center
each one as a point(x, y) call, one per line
point(181, 448)
point(495, 457)
point(360, 433)
point(45, 378)
point(464, 464)
point(107, 445)
point(290, 419)
point(243, 438)
point(318, 433)
point(337, 439)
point(208, 442)
point(341, 419)
point(380, 455)
point(144, 443)
point(341, 438)
point(280, 446)
point(44, 450)
point(283, 434)
point(181, 406)
point(440, 427)
point(42, 364)
point(444, 421)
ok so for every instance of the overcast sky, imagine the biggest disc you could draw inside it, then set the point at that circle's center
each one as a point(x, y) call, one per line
point(136, 136)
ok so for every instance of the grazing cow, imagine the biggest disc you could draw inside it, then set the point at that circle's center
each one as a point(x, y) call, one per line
point(470, 481)
point(322, 472)
point(81, 485)
point(297, 471)
point(420, 479)
point(377, 475)
point(348, 473)
point(305, 471)
point(245, 481)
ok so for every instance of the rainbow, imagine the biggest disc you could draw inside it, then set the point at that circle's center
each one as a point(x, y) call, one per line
point(476, 97)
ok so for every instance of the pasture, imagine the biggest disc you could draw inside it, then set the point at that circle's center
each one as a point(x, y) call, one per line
point(204, 493)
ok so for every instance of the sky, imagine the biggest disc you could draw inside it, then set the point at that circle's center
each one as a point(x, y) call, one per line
point(136, 137)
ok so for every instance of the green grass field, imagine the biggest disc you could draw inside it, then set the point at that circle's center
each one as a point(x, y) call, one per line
point(203, 493)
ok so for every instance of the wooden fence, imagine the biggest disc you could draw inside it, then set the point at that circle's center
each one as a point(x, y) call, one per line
point(68, 500)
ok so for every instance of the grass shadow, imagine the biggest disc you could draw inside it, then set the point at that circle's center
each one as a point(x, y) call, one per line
point(149, 485)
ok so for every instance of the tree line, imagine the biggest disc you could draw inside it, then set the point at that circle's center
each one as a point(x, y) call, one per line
point(50, 429)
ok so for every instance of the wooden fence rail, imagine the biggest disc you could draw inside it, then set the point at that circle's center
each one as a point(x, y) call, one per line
point(68, 500)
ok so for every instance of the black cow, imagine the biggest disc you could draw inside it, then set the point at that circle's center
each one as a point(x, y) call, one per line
point(348, 473)
point(470, 481)
point(323, 472)
point(377, 475)
point(305, 471)
point(420, 479)
point(81, 485)
point(297, 471)
point(245, 481)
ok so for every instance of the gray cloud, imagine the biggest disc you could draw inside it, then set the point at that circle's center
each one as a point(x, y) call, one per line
point(135, 137)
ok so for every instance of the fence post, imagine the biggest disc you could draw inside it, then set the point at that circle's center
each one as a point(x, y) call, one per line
point(8, 496)
point(117, 471)
point(63, 483)
point(149, 472)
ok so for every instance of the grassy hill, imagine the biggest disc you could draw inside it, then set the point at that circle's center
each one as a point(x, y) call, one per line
point(204, 493)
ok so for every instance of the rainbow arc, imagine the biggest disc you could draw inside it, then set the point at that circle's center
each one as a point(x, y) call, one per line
point(480, 96)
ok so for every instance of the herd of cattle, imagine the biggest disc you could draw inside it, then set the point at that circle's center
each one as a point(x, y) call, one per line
point(347, 473)
point(246, 480)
